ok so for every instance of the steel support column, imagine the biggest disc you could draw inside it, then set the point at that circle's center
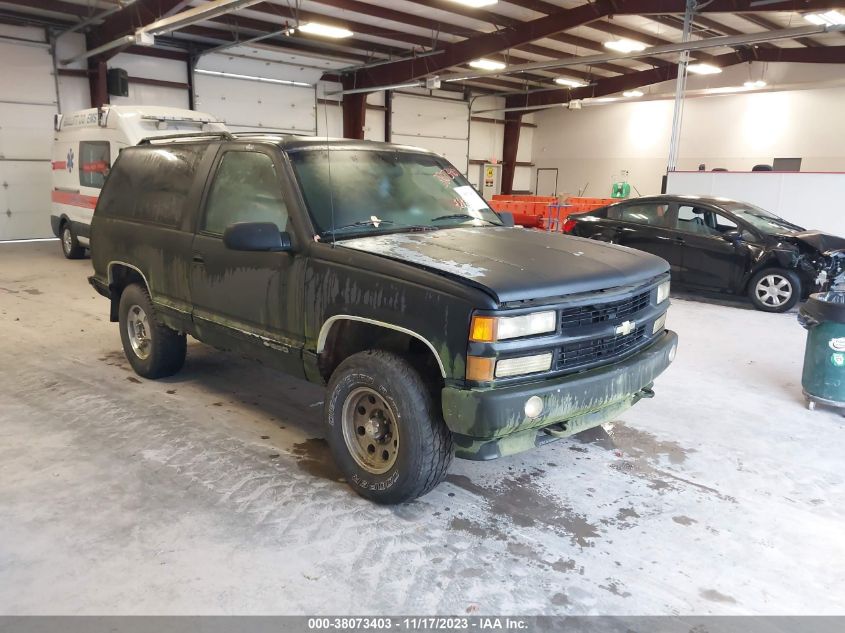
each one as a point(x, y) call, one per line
point(354, 115)
point(513, 125)
point(97, 72)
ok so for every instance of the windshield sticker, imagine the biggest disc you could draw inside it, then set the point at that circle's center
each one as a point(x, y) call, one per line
point(405, 248)
point(446, 176)
point(470, 196)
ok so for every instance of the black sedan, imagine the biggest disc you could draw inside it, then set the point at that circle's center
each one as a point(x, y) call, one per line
point(721, 245)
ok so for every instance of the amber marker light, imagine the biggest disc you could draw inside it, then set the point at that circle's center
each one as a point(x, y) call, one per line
point(480, 369)
point(483, 329)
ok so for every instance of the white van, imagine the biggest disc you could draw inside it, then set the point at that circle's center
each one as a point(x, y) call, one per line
point(86, 144)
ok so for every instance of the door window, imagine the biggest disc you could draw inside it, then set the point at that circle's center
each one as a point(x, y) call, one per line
point(697, 220)
point(245, 189)
point(94, 163)
point(651, 214)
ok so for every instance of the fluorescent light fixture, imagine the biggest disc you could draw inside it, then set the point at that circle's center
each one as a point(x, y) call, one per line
point(476, 3)
point(755, 84)
point(266, 80)
point(487, 64)
point(829, 18)
point(632, 93)
point(704, 69)
point(572, 83)
point(625, 46)
point(324, 30)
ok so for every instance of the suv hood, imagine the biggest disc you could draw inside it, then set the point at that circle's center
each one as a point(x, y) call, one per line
point(516, 264)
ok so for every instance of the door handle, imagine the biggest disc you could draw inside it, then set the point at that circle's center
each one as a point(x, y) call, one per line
point(679, 240)
point(198, 259)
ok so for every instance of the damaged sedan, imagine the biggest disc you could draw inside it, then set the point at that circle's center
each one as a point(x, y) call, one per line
point(722, 245)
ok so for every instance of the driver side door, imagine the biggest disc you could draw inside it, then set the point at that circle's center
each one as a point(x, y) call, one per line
point(242, 300)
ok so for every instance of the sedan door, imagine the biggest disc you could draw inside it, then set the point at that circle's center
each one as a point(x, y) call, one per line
point(710, 258)
point(246, 300)
point(647, 226)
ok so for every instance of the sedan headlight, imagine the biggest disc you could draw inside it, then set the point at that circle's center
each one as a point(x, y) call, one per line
point(663, 292)
point(487, 329)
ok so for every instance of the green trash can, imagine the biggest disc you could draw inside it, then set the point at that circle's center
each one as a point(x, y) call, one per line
point(823, 379)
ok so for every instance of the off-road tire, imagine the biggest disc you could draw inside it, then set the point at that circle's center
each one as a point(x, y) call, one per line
point(791, 278)
point(167, 347)
point(425, 448)
point(71, 248)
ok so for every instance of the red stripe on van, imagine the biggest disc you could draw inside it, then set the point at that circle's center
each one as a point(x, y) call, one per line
point(74, 199)
point(59, 165)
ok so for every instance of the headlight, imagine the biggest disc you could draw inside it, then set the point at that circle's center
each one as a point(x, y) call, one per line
point(523, 365)
point(486, 329)
point(663, 292)
point(659, 324)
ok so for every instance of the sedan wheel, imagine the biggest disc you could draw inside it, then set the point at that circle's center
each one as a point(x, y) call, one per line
point(774, 290)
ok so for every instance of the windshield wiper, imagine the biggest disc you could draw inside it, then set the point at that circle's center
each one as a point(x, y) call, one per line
point(352, 225)
point(460, 216)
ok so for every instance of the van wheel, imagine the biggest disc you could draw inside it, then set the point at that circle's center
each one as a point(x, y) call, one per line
point(774, 290)
point(385, 428)
point(153, 349)
point(70, 246)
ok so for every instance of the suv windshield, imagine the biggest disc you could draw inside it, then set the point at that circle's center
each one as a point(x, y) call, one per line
point(763, 220)
point(379, 191)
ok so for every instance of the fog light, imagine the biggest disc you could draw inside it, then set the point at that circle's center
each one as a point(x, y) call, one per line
point(533, 406)
point(672, 353)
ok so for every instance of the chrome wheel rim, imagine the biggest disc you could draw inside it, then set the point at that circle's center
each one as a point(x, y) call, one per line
point(774, 290)
point(67, 240)
point(370, 430)
point(138, 328)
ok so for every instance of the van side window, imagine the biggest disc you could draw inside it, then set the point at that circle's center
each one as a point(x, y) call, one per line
point(151, 184)
point(245, 189)
point(94, 163)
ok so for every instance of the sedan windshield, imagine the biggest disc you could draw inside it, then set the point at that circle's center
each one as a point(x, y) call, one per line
point(763, 220)
point(353, 191)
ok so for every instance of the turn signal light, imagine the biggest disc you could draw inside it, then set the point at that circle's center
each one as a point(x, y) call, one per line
point(480, 369)
point(569, 225)
point(483, 329)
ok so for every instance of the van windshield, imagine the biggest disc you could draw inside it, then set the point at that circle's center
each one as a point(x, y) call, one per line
point(377, 191)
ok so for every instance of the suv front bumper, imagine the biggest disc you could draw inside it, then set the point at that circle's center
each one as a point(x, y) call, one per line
point(491, 423)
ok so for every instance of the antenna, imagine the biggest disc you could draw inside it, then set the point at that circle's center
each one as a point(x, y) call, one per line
point(329, 161)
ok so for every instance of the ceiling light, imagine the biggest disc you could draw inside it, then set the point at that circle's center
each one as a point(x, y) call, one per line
point(704, 69)
point(632, 93)
point(476, 3)
point(755, 84)
point(572, 83)
point(625, 46)
point(324, 30)
point(828, 18)
point(486, 64)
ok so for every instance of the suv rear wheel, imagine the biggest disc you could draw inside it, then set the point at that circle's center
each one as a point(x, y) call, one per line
point(385, 429)
point(70, 245)
point(774, 290)
point(153, 349)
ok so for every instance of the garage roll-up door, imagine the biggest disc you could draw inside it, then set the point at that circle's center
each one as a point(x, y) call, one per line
point(27, 106)
point(436, 124)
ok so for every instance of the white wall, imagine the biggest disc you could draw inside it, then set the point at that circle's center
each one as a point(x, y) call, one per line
point(486, 142)
point(592, 146)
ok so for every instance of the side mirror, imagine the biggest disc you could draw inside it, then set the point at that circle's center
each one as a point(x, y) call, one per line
point(507, 218)
point(733, 236)
point(256, 236)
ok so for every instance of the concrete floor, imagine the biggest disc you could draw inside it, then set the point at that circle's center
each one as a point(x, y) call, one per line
point(211, 492)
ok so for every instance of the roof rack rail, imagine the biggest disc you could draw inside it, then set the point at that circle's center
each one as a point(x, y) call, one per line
point(149, 140)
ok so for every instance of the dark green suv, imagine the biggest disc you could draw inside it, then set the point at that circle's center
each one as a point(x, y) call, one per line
point(377, 270)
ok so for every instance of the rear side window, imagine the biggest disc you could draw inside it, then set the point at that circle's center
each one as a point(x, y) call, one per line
point(651, 214)
point(245, 189)
point(151, 184)
point(94, 163)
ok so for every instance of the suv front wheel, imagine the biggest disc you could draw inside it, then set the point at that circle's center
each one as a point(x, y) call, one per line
point(153, 349)
point(385, 429)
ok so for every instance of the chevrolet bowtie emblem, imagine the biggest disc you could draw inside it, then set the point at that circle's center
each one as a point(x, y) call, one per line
point(626, 328)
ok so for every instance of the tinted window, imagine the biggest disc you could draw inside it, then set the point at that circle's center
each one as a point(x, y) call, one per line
point(703, 221)
point(651, 214)
point(245, 189)
point(151, 184)
point(94, 163)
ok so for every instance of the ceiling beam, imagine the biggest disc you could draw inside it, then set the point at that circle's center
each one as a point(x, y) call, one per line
point(57, 6)
point(644, 7)
point(126, 22)
point(767, 24)
point(487, 44)
point(613, 85)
